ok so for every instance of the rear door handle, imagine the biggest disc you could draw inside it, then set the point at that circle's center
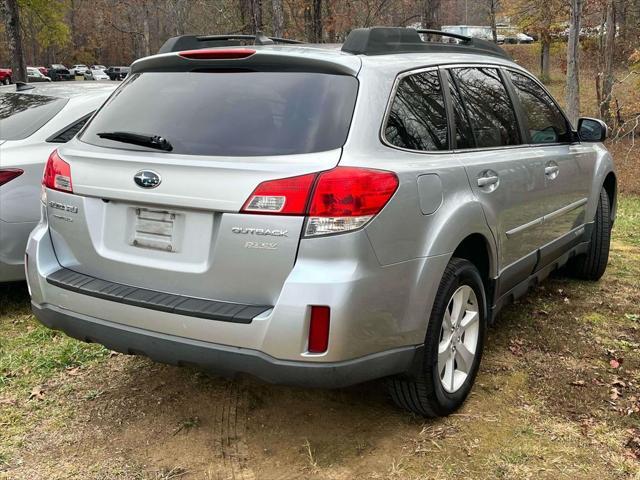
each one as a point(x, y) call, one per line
point(551, 170)
point(488, 181)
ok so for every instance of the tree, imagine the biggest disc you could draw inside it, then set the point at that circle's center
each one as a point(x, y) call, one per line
point(277, 18)
point(493, 8)
point(431, 14)
point(573, 61)
point(606, 87)
point(11, 15)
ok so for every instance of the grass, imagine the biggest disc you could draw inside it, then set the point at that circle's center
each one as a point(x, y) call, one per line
point(628, 219)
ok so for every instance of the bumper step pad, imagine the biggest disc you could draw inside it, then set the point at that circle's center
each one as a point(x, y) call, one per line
point(164, 302)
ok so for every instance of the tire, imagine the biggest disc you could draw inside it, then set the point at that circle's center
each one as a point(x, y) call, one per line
point(422, 391)
point(592, 265)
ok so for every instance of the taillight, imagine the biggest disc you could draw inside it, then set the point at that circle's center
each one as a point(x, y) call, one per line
point(285, 196)
point(218, 53)
point(346, 198)
point(57, 174)
point(335, 201)
point(319, 329)
point(8, 174)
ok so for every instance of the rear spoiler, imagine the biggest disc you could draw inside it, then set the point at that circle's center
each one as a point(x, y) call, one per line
point(196, 42)
point(260, 59)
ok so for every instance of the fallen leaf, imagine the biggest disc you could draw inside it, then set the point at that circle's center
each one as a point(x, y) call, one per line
point(37, 393)
point(578, 383)
point(615, 363)
point(74, 372)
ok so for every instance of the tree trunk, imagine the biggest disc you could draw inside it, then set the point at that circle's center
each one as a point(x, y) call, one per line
point(609, 53)
point(313, 21)
point(11, 14)
point(493, 6)
point(277, 16)
point(573, 62)
point(545, 57)
point(431, 14)
point(146, 35)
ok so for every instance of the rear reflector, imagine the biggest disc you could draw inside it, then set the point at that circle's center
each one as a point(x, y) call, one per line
point(319, 329)
point(8, 174)
point(335, 201)
point(217, 53)
point(57, 174)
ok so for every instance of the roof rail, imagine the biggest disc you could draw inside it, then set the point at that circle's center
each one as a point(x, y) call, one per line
point(196, 42)
point(387, 40)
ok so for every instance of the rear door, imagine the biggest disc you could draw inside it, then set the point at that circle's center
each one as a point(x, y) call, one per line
point(505, 176)
point(568, 167)
point(169, 220)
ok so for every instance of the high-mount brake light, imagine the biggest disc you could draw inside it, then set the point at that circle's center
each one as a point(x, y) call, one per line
point(218, 53)
point(57, 174)
point(334, 201)
point(8, 174)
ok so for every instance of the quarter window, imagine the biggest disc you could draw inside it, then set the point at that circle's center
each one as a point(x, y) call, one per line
point(488, 106)
point(418, 118)
point(546, 123)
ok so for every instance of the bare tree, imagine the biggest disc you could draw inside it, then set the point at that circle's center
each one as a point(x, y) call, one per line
point(313, 19)
point(493, 8)
point(431, 14)
point(573, 61)
point(277, 18)
point(11, 15)
point(609, 52)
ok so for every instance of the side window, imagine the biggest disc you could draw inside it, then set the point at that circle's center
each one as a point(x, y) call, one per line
point(69, 132)
point(464, 135)
point(488, 105)
point(545, 121)
point(418, 118)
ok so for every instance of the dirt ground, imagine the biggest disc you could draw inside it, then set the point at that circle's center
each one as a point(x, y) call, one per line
point(557, 397)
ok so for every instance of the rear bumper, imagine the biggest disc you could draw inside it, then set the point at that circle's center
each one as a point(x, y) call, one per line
point(223, 359)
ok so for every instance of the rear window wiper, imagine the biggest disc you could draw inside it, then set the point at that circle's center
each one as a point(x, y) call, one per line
point(144, 140)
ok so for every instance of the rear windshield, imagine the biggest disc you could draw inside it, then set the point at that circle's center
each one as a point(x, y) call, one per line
point(21, 115)
point(231, 113)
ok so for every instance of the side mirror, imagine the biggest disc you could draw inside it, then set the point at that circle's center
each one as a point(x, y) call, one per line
point(592, 130)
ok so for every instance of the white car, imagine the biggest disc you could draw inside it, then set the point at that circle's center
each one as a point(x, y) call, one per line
point(95, 74)
point(78, 69)
point(34, 120)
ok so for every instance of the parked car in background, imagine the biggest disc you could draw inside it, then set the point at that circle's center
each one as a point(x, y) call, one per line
point(34, 75)
point(5, 76)
point(97, 67)
point(117, 73)
point(392, 196)
point(59, 73)
point(95, 74)
point(33, 122)
point(78, 70)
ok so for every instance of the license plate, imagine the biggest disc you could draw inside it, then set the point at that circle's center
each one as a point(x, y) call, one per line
point(154, 229)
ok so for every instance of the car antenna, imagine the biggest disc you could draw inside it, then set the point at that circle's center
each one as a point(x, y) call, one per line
point(22, 86)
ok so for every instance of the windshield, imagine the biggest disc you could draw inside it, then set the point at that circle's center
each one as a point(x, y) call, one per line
point(230, 113)
point(21, 115)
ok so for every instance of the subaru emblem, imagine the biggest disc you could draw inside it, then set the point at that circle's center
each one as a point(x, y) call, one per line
point(147, 179)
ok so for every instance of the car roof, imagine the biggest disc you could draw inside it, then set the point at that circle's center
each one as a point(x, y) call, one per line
point(63, 89)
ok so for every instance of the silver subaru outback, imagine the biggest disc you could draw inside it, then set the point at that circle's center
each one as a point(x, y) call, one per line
point(319, 216)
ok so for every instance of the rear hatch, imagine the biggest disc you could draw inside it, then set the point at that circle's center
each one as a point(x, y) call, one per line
point(168, 218)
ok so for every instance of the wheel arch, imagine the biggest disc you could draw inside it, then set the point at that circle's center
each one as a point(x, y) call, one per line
point(610, 186)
